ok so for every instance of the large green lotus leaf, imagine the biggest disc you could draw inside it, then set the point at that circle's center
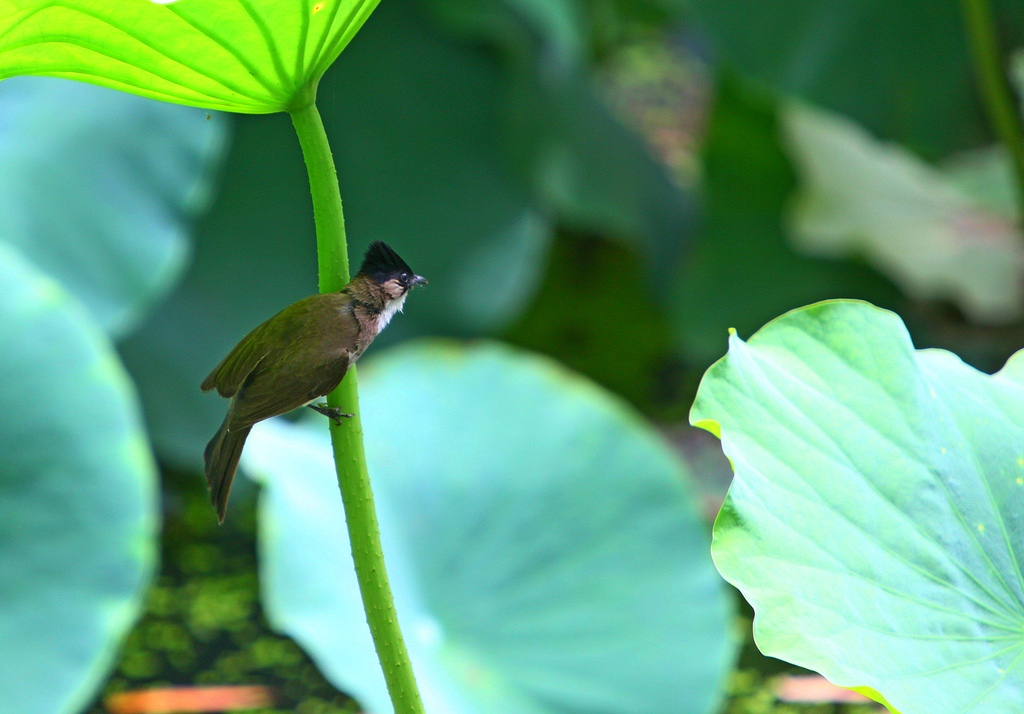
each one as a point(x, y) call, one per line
point(251, 56)
point(742, 271)
point(911, 221)
point(78, 500)
point(875, 519)
point(542, 543)
point(857, 57)
point(97, 188)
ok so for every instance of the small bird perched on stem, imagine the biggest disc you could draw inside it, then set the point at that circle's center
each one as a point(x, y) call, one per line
point(300, 354)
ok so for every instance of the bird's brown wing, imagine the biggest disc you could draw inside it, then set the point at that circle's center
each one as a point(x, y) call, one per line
point(228, 376)
point(307, 363)
point(264, 342)
point(277, 390)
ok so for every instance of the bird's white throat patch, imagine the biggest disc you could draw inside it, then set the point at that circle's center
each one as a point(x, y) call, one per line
point(389, 311)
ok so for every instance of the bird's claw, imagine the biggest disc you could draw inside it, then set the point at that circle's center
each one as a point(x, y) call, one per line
point(330, 412)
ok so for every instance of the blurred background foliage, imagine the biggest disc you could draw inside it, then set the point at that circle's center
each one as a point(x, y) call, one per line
point(611, 183)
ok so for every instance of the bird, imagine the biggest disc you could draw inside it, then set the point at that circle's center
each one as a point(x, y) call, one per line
point(299, 355)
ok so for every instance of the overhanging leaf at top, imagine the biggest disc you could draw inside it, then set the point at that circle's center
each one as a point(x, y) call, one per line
point(249, 56)
point(875, 519)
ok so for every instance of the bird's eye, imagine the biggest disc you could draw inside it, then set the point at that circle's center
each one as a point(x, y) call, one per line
point(404, 277)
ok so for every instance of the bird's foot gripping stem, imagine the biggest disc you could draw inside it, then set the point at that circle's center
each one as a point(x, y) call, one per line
point(330, 412)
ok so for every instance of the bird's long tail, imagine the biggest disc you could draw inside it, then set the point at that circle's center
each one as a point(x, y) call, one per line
point(221, 456)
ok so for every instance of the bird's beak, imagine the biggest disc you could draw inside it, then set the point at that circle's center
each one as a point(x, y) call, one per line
point(418, 280)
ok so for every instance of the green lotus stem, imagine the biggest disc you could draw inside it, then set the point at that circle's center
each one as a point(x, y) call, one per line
point(347, 438)
point(990, 68)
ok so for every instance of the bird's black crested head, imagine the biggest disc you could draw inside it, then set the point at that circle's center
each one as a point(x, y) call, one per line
point(382, 264)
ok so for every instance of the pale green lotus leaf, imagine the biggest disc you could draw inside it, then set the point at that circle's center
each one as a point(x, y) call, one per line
point(860, 197)
point(875, 520)
point(78, 499)
point(986, 176)
point(542, 543)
